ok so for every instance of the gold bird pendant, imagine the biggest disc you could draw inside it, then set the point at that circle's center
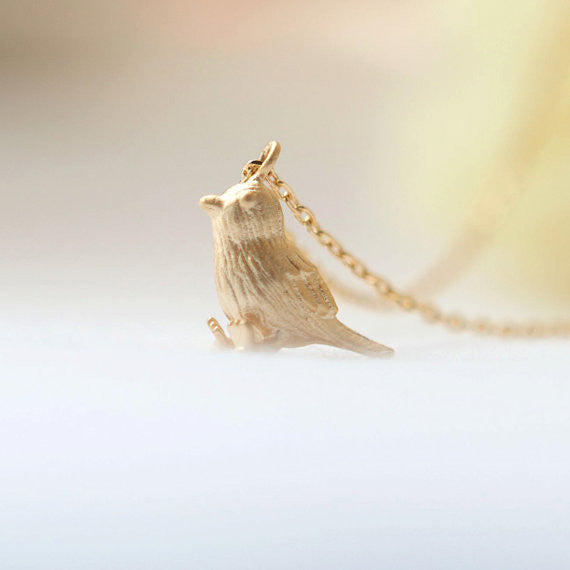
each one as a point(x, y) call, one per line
point(272, 295)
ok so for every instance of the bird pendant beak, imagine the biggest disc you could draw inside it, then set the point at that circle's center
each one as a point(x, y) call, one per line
point(211, 204)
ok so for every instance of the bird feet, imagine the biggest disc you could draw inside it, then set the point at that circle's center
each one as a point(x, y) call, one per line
point(222, 340)
point(242, 335)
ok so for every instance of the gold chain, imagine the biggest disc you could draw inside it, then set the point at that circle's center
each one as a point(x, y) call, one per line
point(406, 301)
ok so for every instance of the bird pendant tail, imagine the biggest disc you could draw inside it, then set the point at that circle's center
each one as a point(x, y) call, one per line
point(344, 337)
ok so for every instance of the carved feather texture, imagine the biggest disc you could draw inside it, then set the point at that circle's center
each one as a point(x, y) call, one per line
point(271, 293)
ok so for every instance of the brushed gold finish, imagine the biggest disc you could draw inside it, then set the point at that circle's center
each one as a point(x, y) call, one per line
point(272, 295)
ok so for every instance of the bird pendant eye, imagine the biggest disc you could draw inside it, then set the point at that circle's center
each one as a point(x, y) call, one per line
point(248, 199)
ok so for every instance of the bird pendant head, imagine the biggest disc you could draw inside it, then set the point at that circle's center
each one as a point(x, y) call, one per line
point(246, 211)
point(250, 210)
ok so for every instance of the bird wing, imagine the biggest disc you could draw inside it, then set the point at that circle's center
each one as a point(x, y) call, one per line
point(307, 285)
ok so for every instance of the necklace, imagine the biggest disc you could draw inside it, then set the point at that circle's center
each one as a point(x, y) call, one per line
point(275, 297)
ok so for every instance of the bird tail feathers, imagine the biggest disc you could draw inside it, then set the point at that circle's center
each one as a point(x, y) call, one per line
point(344, 337)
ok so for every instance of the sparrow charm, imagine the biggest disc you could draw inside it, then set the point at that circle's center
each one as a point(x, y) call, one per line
point(272, 295)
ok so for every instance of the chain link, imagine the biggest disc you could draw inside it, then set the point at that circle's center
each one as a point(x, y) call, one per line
point(405, 301)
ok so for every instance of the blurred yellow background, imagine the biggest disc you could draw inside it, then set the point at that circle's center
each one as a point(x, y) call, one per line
point(402, 123)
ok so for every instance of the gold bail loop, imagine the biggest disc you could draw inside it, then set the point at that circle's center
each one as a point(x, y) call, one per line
point(250, 169)
point(264, 164)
